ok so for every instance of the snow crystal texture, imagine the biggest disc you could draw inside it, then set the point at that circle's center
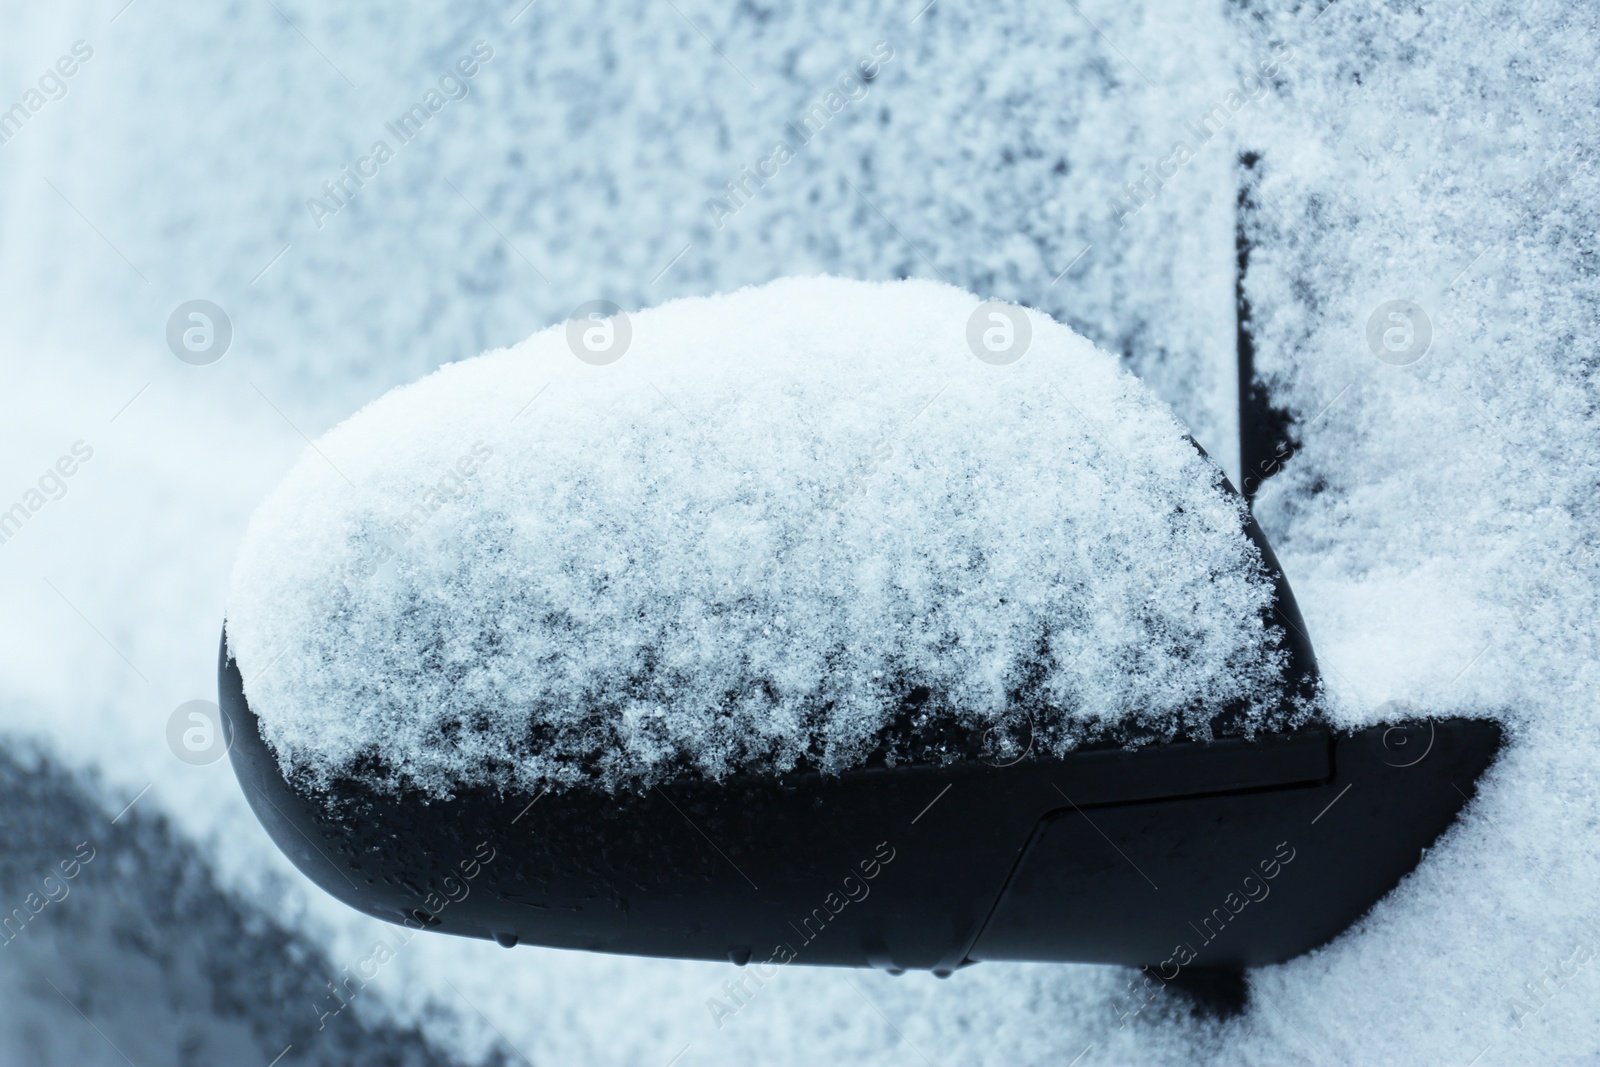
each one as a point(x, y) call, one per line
point(780, 519)
point(1437, 520)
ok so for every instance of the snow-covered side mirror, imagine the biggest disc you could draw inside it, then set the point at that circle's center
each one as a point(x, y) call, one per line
point(680, 674)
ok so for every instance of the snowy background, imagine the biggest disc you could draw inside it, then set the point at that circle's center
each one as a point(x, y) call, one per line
point(1438, 520)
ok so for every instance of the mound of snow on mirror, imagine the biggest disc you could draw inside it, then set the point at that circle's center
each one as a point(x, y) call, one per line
point(780, 521)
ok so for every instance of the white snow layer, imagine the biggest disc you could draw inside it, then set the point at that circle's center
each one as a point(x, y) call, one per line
point(743, 544)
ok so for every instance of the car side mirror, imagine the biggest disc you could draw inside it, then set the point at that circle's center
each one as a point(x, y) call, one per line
point(1199, 852)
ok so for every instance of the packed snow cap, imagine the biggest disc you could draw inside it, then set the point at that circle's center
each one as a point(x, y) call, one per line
point(803, 524)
